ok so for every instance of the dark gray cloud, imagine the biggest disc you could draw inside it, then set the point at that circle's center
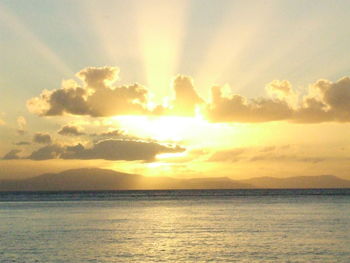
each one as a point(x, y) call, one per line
point(22, 143)
point(119, 133)
point(47, 152)
point(12, 155)
point(107, 149)
point(71, 130)
point(42, 138)
point(120, 150)
point(275, 157)
point(269, 154)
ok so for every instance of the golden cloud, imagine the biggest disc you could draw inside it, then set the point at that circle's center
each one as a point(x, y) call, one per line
point(326, 101)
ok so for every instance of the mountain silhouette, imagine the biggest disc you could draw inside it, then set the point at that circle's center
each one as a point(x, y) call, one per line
point(320, 181)
point(103, 179)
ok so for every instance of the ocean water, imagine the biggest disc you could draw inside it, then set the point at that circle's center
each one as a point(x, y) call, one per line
point(176, 226)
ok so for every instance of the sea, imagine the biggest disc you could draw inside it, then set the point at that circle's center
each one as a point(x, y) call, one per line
point(310, 225)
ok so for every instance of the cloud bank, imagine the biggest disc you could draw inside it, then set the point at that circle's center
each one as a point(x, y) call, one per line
point(267, 154)
point(107, 150)
point(12, 155)
point(43, 138)
point(71, 130)
point(325, 101)
point(96, 97)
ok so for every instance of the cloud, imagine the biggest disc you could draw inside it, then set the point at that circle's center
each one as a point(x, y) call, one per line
point(21, 123)
point(280, 88)
point(112, 133)
point(281, 153)
point(269, 148)
point(97, 97)
point(2, 122)
point(98, 78)
point(186, 98)
point(275, 157)
point(47, 152)
point(231, 155)
point(22, 143)
point(42, 138)
point(115, 134)
point(120, 150)
point(12, 155)
point(107, 149)
point(326, 101)
point(237, 108)
point(71, 130)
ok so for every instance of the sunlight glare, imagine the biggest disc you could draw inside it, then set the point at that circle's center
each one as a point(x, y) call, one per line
point(161, 29)
point(166, 128)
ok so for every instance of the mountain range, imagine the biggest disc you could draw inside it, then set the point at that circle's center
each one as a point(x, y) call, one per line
point(102, 179)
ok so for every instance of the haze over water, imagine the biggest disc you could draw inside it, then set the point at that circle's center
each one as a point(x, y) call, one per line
point(176, 226)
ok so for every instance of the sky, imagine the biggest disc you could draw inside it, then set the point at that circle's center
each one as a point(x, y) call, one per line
point(185, 89)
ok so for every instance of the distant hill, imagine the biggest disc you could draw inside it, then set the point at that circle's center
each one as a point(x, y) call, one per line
point(77, 179)
point(102, 179)
point(321, 181)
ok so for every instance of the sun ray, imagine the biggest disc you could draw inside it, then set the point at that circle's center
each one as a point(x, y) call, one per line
point(283, 49)
point(111, 30)
point(161, 27)
point(233, 38)
point(13, 22)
